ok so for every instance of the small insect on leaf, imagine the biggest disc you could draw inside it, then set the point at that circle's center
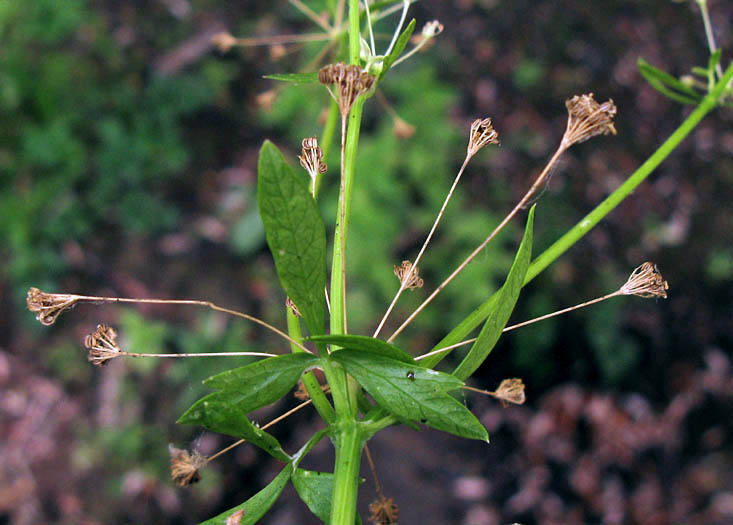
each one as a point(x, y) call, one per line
point(411, 375)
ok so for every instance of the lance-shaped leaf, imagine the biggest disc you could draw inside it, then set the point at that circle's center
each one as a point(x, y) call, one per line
point(219, 413)
point(507, 298)
point(295, 234)
point(412, 392)
point(256, 507)
point(667, 84)
point(295, 78)
point(398, 48)
point(365, 344)
point(263, 382)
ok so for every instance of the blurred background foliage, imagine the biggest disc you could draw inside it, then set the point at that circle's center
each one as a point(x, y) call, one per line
point(127, 160)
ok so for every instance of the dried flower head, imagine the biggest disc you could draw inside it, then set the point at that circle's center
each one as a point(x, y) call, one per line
point(432, 29)
point(185, 466)
point(511, 391)
point(384, 511)
point(482, 133)
point(48, 306)
point(290, 304)
point(402, 271)
point(236, 518)
point(351, 81)
point(224, 41)
point(312, 157)
point(402, 129)
point(587, 118)
point(646, 281)
point(102, 345)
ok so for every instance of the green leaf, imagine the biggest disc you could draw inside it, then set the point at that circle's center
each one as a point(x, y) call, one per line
point(295, 78)
point(316, 489)
point(667, 84)
point(219, 413)
point(255, 507)
point(398, 48)
point(365, 344)
point(264, 381)
point(412, 392)
point(507, 298)
point(295, 234)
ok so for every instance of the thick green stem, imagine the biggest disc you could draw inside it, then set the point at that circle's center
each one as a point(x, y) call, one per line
point(320, 401)
point(348, 443)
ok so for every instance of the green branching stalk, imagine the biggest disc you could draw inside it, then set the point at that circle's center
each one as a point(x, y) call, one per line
point(604, 208)
point(470, 323)
point(323, 406)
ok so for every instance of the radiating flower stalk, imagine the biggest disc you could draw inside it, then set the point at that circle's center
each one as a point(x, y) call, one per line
point(185, 466)
point(482, 133)
point(48, 306)
point(102, 346)
point(645, 281)
point(586, 119)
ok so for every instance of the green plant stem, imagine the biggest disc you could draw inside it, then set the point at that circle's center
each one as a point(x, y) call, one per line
point(459, 333)
point(312, 386)
point(348, 443)
point(604, 208)
point(354, 32)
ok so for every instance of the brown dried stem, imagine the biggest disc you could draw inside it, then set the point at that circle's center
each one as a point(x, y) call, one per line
point(48, 306)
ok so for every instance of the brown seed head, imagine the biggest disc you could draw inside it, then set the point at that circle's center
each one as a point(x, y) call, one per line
point(432, 29)
point(350, 80)
point(511, 391)
point(587, 118)
point(185, 466)
point(384, 511)
point(102, 345)
point(402, 129)
point(482, 133)
point(48, 306)
point(224, 41)
point(312, 157)
point(646, 281)
point(403, 270)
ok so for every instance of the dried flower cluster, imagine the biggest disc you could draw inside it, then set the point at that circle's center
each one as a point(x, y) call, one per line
point(312, 158)
point(511, 391)
point(185, 466)
point(646, 281)
point(224, 41)
point(403, 270)
point(351, 81)
point(384, 511)
point(587, 118)
point(102, 345)
point(432, 29)
point(482, 133)
point(48, 306)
